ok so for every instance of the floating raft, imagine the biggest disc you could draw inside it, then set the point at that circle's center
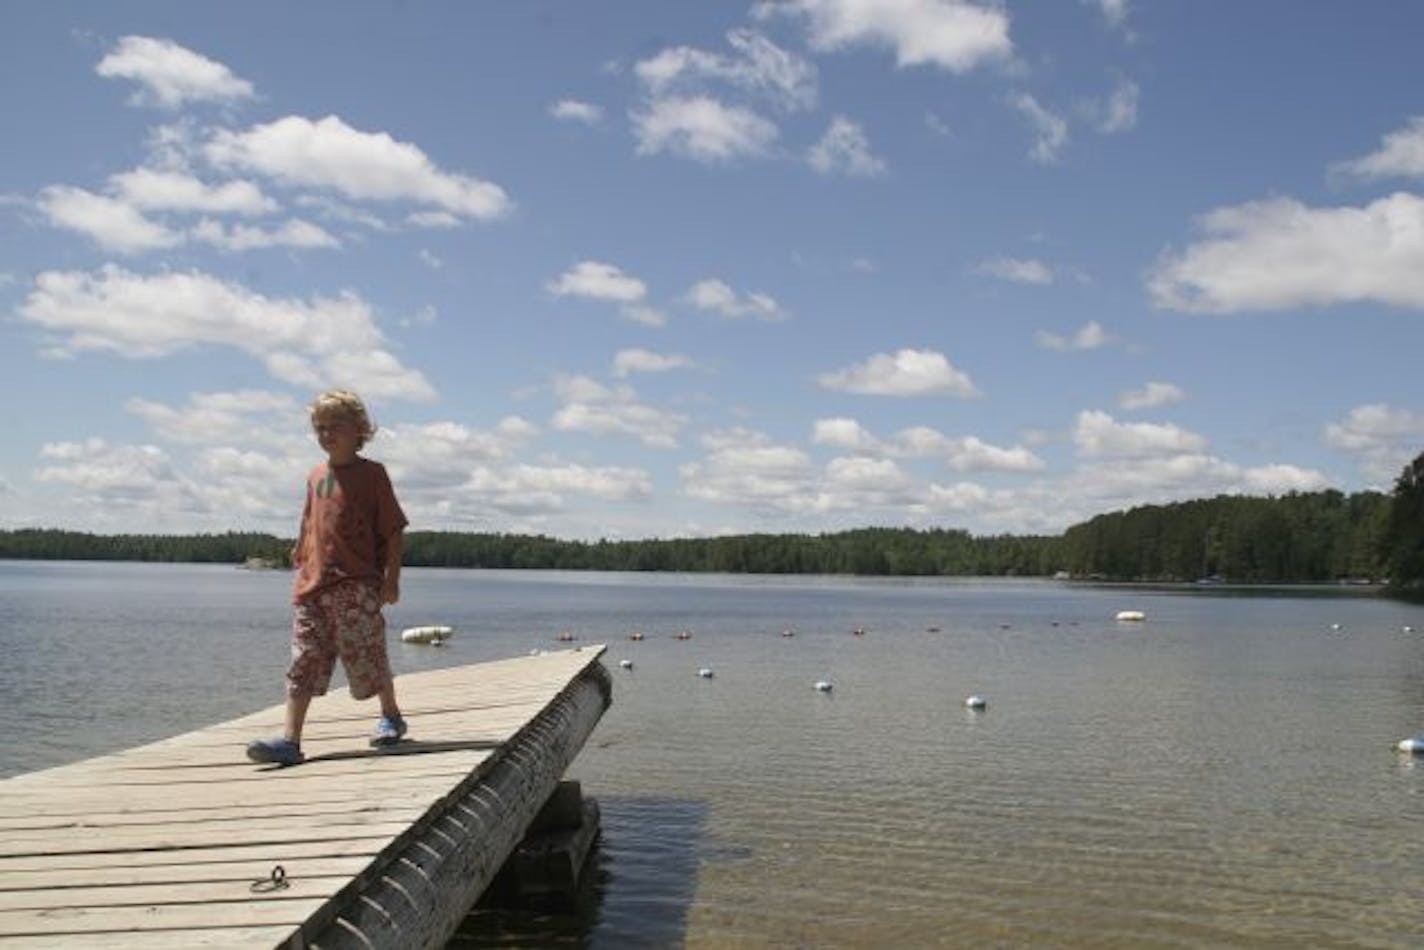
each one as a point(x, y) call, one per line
point(184, 843)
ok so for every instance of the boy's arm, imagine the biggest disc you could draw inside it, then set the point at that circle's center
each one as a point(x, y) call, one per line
point(390, 579)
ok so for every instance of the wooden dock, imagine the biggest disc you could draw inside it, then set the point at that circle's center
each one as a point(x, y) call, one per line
point(184, 843)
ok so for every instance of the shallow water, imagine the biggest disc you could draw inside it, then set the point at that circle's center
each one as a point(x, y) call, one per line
point(1220, 775)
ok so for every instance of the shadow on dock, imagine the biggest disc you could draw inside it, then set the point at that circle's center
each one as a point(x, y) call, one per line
point(635, 891)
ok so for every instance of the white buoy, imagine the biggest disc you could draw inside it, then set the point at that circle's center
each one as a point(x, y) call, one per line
point(1408, 629)
point(705, 672)
point(1414, 746)
point(1131, 615)
point(825, 686)
point(976, 702)
point(626, 664)
point(1334, 626)
point(431, 633)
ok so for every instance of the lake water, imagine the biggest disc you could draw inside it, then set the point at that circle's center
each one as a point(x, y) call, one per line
point(1222, 774)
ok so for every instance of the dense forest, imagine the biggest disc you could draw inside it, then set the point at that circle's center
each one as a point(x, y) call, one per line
point(1295, 538)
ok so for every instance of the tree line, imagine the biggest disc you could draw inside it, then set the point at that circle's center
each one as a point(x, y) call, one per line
point(1299, 537)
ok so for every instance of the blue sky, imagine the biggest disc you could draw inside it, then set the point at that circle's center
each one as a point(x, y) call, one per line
point(663, 269)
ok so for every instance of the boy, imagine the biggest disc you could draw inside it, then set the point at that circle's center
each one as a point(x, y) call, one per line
point(348, 559)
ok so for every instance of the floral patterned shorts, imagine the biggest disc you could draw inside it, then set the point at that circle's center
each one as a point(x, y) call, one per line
point(344, 620)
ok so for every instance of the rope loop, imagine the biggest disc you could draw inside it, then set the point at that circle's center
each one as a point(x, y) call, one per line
point(276, 882)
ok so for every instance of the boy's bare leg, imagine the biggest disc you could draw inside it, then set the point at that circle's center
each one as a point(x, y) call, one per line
point(297, 704)
point(389, 707)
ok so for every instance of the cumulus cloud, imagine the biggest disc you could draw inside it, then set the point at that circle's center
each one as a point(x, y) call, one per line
point(1098, 434)
point(589, 406)
point(1400, 155)
point(167, 190)
point(1090, 336)
point(317, 342)
point(1152, 396)
point(244, 237)
point(120, 476)
point(573, 110)
point(1050, 128)
point(747, 470)
point(169, 75)
point(595, 280)
point(950, 34)
point(221, 417)
point(364, 166)
point(906, 372)
point(961, 453)
point(1018, 270)
point(847, 434)
point(636, 360)
point(1382, 437)
point(718, 297)
point(702, 129)
point(110, 223)
point(845, 150)
point(756, 65)
point(598, 281)
point(1280, 254)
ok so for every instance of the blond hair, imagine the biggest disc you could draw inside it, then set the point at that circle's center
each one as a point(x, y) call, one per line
point(343, 402)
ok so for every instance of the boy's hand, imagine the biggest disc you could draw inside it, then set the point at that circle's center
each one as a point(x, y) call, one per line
point(390, 591)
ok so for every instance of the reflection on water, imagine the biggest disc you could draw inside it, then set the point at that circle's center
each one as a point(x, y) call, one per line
point(637, 886)
point(1220, 775)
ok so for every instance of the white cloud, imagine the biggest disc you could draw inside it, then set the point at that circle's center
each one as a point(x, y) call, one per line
point(598, 281)
point(758, 65)
point(635, 360)
point(964, 453)
point(222, 417)
point(1090, 336)
point(324, 341)
point(166, 190)
point(120, 476)
point(1382, 437)
point(907, 372)
point(365, 166)
point(1280, 254)
point(1152, 396)
point(433, 219)
point(1098, 434)
point(744, 469)
point(846, 434)
point(702, 129)
point(595, 280)
point(1401, 154)
point(243, 237)
point(971, 454)
point(845, 150)
point(589, 406)
point(717, 296)
point(950, 34)
point(1050, 129)
point(1018, 270)
point(572, 110)
point(171, 75)
point(110, 223)
point(1120, 112)
point(1114, 11)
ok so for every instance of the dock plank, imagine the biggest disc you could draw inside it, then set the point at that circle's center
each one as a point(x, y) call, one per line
point(160, 845)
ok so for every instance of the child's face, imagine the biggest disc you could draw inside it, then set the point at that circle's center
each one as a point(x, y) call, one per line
point(338, 435)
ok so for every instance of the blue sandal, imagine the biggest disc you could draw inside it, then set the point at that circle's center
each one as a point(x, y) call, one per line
point(388, 731)
point(275, 751)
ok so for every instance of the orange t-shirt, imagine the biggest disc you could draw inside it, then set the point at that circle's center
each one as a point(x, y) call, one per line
point(349, 517)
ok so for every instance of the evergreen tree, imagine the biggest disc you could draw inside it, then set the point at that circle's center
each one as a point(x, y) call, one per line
point(1405, 535)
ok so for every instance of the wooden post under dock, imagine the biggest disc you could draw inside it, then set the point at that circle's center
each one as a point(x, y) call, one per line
point(184, 843)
